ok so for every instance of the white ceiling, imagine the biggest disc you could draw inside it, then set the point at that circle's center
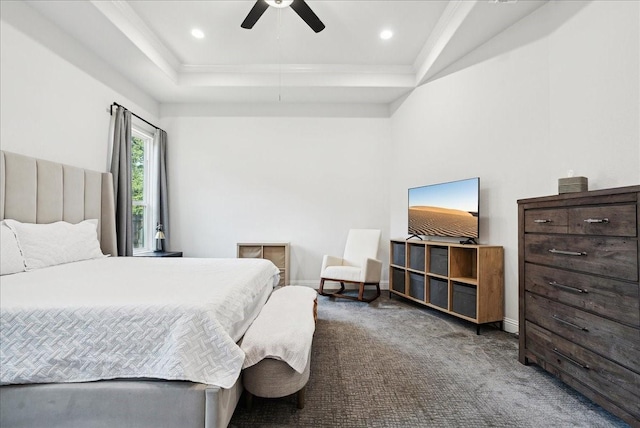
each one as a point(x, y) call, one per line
point(281, 58)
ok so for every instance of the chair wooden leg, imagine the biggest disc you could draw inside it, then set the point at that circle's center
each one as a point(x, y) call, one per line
point(371, 299)
point(321, 289)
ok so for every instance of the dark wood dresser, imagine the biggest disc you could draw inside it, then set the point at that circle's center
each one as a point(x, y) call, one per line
point(579, 313)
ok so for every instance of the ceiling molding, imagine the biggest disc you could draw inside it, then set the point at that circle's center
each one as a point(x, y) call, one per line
point(123, 17)
point(299, 68)
point(327, 110)
point(317, 80)
point(297, 75)
point(451, 20)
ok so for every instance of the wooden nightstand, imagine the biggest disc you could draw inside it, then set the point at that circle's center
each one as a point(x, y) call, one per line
point(159, 254)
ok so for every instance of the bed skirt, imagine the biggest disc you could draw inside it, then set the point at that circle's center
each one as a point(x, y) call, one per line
point(118, 403)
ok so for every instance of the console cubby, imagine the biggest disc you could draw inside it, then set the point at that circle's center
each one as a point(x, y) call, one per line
point(416, 285)
point(397, 280)
point(466, 281)
point(415, 254)
point(277, 252)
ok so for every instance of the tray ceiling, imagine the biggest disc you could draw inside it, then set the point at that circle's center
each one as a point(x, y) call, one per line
point(281, 58)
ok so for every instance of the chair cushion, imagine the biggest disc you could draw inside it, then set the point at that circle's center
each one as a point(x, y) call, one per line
point(345, 273)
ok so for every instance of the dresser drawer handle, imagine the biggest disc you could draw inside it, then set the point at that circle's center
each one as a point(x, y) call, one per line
point(568, 287)
point(597, 220)
point(570, 324)
point(543, 221)
point(571, 360)
point(568, 253)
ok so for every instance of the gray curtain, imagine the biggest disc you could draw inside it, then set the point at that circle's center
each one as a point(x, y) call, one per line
point(121, 170)
point(161, 209)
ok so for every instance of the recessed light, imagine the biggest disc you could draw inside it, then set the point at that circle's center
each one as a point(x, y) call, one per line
point(386, 34)
point(197, 33)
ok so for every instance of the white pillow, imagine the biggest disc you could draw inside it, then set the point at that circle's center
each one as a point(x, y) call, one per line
point(52, 244)
point(11, 260)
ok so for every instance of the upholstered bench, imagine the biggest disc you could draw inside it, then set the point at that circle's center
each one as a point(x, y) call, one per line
point(277, 345)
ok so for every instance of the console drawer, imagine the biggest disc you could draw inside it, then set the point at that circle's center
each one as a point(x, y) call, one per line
point(608, 256)
point(604, 376)
point(611, 298)
point(608, 338)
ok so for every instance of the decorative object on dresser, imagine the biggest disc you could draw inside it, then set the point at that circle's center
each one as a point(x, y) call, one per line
point(277, 252)
point(466, 281)
point(573, 184)
point(159, 254)
point(579, 294)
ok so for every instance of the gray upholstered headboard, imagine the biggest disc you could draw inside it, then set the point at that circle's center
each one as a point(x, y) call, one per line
point(39, 191)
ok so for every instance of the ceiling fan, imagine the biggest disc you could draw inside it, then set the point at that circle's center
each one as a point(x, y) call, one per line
point(299, 6)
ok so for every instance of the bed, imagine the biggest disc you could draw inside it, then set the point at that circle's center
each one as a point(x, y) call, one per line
point(116, 341)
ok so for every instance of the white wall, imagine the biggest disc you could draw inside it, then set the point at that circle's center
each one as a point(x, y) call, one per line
point(522, 117)
point(301, 180)
point(49, 107)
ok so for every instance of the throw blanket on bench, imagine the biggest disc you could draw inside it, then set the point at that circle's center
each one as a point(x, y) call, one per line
point(284, 329)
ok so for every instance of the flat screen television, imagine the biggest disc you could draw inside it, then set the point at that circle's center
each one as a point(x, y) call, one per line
point(445, 209)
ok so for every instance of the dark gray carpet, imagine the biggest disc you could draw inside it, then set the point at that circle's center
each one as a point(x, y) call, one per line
point(394, 364)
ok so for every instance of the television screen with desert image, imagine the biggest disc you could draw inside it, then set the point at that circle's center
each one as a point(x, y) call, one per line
point(445, 209)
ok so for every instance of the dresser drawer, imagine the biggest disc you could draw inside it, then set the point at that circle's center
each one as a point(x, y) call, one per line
point(611, 298)
point(608, 256)
point(554, 220)
point(604, 376)
point(608, 338)
point(610, 220)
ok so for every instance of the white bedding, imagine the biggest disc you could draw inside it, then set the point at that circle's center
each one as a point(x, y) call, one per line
point(285, 337)
point(131, 317)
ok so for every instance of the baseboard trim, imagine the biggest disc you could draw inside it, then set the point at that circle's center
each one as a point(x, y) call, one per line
point(384, 285)
point(306, 283)
point(510, 325)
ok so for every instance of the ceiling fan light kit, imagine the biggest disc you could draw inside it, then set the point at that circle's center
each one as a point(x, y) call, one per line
point(279, 3)
point(299, 6)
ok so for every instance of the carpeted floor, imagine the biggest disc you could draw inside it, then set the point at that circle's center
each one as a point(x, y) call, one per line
point(394, 364)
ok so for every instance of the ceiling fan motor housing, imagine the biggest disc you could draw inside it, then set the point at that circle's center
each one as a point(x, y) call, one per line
point(279, 3)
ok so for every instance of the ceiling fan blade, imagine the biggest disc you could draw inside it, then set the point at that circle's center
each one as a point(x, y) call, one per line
point(304, 11)
point(254, 14)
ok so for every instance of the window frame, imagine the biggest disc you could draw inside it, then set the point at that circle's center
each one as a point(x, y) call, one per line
point(148, 188)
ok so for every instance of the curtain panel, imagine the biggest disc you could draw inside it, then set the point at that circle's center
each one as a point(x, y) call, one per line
point(161, 203)
point(121, 170)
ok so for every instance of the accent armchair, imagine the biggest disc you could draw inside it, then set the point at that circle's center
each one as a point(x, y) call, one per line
point(358, 265)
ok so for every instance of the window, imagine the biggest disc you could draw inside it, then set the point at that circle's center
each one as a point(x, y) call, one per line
point(141, 189)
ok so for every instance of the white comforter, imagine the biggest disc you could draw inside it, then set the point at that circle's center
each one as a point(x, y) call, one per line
point(125, 317)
